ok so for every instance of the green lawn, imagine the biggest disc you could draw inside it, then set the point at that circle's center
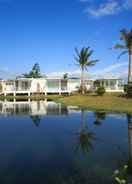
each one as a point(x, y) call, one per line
point(109, 102)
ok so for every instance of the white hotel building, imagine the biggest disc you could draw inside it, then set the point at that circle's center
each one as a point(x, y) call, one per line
point(45, 85)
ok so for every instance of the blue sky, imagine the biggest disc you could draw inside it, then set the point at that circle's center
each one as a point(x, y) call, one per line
point(48, 31)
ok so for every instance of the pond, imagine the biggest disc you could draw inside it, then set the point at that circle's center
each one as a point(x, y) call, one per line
point(42, 142)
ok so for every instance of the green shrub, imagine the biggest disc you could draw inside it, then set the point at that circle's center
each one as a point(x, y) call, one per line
point(125, 88)
point(100, 91)
point(80, 89)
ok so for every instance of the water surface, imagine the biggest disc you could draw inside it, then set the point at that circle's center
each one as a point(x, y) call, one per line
point(47, 143)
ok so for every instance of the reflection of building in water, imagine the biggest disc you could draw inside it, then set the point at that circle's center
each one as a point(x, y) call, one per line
point(32, 108)
point(10, 108)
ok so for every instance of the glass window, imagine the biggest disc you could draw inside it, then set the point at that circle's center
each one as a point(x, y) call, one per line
point(63, 84)
point(53, 84)
point(120, 83)
point(112, 83)
point(106, 83)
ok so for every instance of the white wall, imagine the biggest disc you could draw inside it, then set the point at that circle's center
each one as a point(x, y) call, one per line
point(6, 88)
point(35, 82)
point(73, 85)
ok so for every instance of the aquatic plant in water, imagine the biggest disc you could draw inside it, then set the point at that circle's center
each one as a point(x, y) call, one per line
point(120, 176)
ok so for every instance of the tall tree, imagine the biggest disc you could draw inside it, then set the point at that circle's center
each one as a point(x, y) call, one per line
point(126, 37)
point(65, 76)
point(35, 72)
point(83, 60)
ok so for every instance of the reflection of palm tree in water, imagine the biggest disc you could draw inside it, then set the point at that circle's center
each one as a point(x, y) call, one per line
point(99, 117)
point(86, 138)
point(36, 120)
point(129, 118)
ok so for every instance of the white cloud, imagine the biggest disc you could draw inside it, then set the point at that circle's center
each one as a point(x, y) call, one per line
point(116, 70)
point(6, 74)
point(112, 68)
point(109, 7)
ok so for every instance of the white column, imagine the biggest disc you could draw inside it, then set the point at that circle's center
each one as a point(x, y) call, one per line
point(45, 88)
point(59, 86)
point(14, 86)
point(109, 82)
point(117, 84)
point(68, 87)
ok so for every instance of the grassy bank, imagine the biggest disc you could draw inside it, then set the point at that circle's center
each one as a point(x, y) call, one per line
point(108, 102)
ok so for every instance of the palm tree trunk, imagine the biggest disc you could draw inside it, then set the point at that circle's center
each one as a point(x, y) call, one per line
point(130, 67)
point(130, 73)
point(82, 81)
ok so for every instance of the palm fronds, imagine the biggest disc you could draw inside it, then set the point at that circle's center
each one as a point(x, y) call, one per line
point(126, 37)
point(83, 57)
point(83, 61)
point(122, 53)
point(119, 46)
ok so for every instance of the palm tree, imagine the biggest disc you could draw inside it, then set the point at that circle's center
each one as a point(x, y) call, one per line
point(126, 37)
point(83, 60)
